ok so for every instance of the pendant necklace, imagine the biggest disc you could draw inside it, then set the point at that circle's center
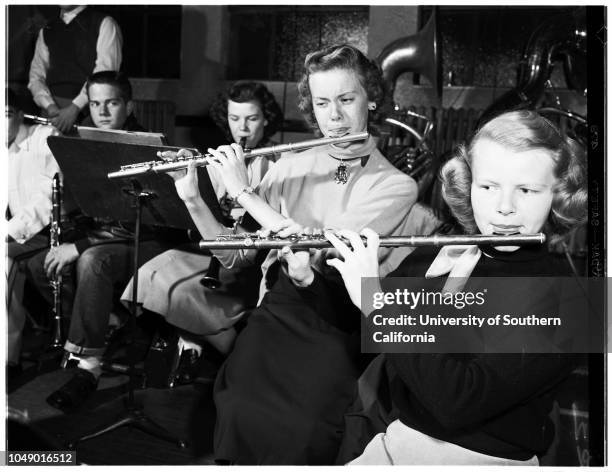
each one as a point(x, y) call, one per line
point(342, 173)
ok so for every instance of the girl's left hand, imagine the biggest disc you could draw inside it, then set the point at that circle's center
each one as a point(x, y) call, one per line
point(296, 264)
point(360, 261)
point(229, 161)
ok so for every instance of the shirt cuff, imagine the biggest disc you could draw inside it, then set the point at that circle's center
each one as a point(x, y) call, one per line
point(44, 100)
point(80, 101)
point(17, 231)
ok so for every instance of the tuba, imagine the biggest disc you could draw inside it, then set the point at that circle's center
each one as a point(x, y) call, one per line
point(419, 53)
point(406, 138)
point(562, 38)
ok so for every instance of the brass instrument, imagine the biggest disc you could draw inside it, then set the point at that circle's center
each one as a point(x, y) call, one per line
point(560, 39)
point(405, 147)
point(416, 159)
point(200, 159)
point(54, 242)
point(420, 53)
point(254, 241)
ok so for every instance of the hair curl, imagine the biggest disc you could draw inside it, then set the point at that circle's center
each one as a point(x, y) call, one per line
point(521, 131)
point(241, 92)
point(345, 56)
point(113, 78)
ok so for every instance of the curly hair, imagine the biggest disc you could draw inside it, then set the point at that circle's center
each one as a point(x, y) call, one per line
point(348, 57)
point(241, 92)
point(521, 131)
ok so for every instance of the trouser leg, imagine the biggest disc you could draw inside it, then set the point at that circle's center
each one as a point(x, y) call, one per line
point(101, 272)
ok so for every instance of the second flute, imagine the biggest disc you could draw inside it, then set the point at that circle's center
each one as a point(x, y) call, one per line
point(252, 241)
point(200, 159)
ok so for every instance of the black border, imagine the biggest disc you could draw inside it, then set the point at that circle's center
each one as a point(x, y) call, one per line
point(596, 256)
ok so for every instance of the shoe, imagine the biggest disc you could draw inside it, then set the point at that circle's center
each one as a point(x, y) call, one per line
point(75, 392)
point(186, 369)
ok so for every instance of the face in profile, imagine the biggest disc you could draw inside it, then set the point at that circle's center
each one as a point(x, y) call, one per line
point(108, 109)
point(13, 120)
point(246, 120)
point(340, 103)
point(512, 192)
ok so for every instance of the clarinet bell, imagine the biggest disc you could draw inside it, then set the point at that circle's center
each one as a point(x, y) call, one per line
point(211, 278)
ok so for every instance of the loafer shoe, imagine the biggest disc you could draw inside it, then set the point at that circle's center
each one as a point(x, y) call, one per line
point(75, 392)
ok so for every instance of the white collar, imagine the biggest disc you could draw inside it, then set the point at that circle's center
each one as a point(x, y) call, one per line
point(456, 261)
point(22, 135)
point(71, 15)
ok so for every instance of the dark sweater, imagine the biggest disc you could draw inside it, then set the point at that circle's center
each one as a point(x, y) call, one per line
point(492, 404)
point(72, 52)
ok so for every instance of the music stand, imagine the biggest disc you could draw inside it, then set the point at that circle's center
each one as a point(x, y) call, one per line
point(119, 135)
point(156, 203)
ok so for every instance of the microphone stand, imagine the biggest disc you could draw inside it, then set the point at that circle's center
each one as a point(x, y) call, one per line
point(133, 415)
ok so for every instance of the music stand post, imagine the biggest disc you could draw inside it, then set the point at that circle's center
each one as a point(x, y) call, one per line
point(134, 415)
point(98, 196)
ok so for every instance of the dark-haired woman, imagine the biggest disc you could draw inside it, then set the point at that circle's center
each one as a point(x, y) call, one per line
point(170, 283)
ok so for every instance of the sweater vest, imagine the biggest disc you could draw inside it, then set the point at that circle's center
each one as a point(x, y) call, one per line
point(72, 52)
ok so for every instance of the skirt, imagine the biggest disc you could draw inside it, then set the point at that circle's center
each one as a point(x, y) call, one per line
point(402, 445)
point(169, 285)
point(282, 392)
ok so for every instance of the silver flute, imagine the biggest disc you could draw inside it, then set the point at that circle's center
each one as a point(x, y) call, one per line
point(319, 241)
point(200, 159)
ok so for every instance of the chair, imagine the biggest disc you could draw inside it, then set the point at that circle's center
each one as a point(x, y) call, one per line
point(156, 116)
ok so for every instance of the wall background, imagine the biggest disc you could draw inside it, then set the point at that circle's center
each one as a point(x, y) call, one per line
point(213, 46)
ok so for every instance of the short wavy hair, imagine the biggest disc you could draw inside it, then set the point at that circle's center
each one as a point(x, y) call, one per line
point(242, 92)
point(345, 56)
point(113, 78)
point(521, 131)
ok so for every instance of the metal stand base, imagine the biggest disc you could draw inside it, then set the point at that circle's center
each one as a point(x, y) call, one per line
point(134, 417)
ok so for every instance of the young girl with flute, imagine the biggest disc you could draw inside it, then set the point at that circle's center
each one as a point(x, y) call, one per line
point(281, 394)
point(519, 175)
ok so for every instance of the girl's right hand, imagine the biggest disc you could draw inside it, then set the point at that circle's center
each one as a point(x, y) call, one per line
point(359, 260)
point(185, 181)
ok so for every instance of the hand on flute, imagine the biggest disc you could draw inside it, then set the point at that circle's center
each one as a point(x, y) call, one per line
point(185, 180)
point(228, 160)
point(295, 264)
point(358, 261)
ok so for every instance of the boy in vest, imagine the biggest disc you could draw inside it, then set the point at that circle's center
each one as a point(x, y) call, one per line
point(79, 42)
point(99, 268)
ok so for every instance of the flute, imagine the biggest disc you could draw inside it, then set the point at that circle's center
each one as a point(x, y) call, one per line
point(38, 119)
point(253, 241)
point(200, 159)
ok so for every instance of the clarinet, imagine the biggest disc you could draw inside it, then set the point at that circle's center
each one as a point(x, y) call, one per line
point(56, 280)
